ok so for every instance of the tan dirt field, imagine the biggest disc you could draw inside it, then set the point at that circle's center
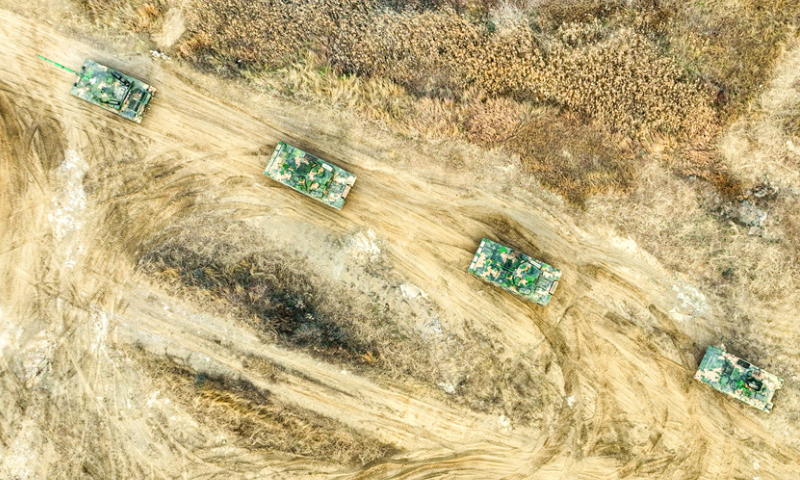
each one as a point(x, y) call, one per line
point(85, 335)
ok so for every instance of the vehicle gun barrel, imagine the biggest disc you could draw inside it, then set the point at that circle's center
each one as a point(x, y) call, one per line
point(62, 67)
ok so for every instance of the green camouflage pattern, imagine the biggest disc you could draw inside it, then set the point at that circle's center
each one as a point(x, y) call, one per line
point(309, 175)
point(514, 271)
point(114, 91)
point(735, 377)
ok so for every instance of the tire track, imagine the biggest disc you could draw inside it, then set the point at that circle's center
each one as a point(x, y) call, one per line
point(636, 411)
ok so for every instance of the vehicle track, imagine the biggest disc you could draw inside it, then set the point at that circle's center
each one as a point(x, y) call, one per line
point(629, 408)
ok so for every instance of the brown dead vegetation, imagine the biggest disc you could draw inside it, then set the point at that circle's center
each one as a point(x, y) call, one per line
point(281, 300)
point(140, 16)
point(597, 437)
point(278, 294)
point(730, 46)
point(615, 78)
point(707, 164)
point(572, 158)
point(441, 72)
point(257, 420)
point(641, 70)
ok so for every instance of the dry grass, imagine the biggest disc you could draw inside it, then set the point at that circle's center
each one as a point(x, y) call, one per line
point(470, 72)
point(471, 69)
point(747, 277)
point(615, 78)
point(751, 275)
point(730, 46)
point(282, 301)
point(260, 422)
point(563, 153)
point(571, 158)
point(140, 16)
point(765, 144)
point(279, 294)
point(475, 116)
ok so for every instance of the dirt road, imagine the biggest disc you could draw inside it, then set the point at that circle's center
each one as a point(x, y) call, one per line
point(83, 190)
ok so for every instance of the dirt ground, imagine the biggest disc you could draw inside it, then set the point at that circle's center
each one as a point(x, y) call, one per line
point(95, 351)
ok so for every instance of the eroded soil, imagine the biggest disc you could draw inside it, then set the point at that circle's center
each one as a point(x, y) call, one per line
point(463, 381)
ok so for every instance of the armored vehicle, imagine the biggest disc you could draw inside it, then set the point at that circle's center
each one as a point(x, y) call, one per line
point(735, 377)
point(109, 89)
point(514, 271)
point(309, 175)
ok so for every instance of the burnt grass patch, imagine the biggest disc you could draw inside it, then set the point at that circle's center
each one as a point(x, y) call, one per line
point(280, 301)
point(236, 272)
point(257, 419)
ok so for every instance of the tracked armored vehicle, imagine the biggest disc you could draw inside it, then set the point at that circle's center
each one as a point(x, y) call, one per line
point(111, 90)
point(310, 175)
point(514, 271)
point(735, 377)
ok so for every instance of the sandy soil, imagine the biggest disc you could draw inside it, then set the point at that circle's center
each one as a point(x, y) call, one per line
point(84, 190)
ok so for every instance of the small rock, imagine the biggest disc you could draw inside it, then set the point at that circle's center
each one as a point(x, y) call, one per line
point(409, 290)
point(448, 388)
point(504, 421)
point(750, 215)
point(745, 213)
point(159, 55)
point(765, 190)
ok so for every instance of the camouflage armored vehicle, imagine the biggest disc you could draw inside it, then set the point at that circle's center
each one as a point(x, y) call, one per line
point(733, 376)
point(309, 175)
point(109, 89)
point(514, 271)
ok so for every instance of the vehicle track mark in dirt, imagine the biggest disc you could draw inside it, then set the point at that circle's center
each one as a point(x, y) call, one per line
point(630, 408)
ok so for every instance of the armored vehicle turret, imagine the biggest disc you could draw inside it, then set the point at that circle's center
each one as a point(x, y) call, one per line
point(735, 377)
point(514, 271)
point(310, 175)
point(109, 89)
